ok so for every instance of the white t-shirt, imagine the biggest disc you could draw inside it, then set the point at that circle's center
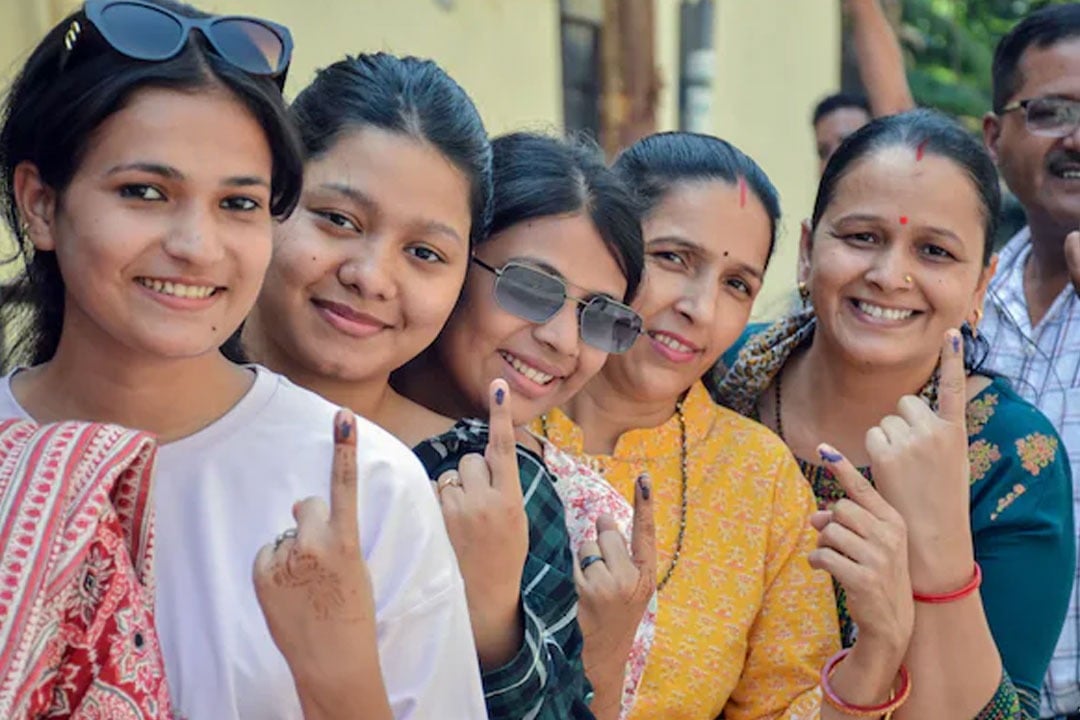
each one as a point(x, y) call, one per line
point(225, 491)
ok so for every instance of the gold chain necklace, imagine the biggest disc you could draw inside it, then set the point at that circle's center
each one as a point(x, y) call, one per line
point(594, 465)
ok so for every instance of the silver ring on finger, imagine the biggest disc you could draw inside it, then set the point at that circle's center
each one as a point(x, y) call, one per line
point(289, 534)
point(590, 560)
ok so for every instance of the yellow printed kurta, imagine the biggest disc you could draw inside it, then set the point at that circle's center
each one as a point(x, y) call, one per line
point(744, 624)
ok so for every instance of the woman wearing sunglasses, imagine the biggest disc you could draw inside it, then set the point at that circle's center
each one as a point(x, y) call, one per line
point(142, 166)
point(744, 625)
point(896, 253)
point(542, 308)
point(397, 193)
point(364, 275)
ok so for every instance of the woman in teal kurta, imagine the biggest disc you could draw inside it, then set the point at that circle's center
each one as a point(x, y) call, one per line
point(1021, 501)
point(897, 254)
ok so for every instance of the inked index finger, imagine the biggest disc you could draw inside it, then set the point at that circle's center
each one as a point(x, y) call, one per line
point(952, 388)
point(501, 450)
point(343, 502)
point(643, 529)
point(855, 485)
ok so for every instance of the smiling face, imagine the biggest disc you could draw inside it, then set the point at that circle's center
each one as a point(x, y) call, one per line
point(706, 248)
point(163, 234)
point(896, 258)
point(367, 269)
point(1043, 172)
point(544, 364)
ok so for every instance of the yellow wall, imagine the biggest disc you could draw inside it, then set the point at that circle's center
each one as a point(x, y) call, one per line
point(505, 53)
point(774, 59)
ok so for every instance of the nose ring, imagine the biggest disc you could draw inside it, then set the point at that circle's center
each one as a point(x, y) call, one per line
point(908, 279)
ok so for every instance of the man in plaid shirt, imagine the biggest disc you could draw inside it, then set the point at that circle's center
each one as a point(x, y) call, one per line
point(1032, 311)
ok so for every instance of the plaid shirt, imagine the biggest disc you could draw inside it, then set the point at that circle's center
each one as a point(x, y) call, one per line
point(1043, 363)
point(546, 679)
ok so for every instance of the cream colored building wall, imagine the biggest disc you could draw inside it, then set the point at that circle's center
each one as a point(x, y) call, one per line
point(776, 59)
point(505, 53)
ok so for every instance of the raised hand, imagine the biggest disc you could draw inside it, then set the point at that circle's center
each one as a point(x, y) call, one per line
point(484, 512)
point(862, 542)
point(921, 467)
point(1072, 257)
point(614, 590)
point(316, 595)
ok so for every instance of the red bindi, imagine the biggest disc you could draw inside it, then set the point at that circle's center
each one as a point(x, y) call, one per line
point(903, 219)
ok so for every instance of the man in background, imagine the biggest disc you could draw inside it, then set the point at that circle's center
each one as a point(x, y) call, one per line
point(881, 70)
point(1032, 311)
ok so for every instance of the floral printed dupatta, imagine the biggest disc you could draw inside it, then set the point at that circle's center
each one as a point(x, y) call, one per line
point(77, 638)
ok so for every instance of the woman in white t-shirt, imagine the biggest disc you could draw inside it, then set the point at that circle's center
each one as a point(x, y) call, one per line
point(397, 192)
point(141, 168)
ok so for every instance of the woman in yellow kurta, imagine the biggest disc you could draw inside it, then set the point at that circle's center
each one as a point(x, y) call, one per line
point(744, 624)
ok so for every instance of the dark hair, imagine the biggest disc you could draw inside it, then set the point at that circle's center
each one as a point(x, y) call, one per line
point(840, 101)
point(405, 95)
point(1040, 29)
point(655, 164)
point(49, 118)
point(931, 132)
point(539, 176)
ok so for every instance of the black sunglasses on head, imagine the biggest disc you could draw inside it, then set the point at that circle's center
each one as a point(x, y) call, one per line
point(536, 296)
point(146, 31)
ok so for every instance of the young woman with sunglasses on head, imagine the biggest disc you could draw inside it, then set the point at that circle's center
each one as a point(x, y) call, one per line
point(745, 625)
point(896, 255)
point(142, 166)
point(541, 310)
point(364, 276)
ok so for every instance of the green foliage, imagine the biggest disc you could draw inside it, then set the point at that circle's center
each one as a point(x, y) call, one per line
point(950, 47)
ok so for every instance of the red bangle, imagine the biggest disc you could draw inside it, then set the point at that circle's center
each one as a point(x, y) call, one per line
point(896, 698)
point(972, 586)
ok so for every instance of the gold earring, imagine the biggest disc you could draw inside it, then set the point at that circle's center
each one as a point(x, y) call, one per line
point(24, 228)
point(804, 293)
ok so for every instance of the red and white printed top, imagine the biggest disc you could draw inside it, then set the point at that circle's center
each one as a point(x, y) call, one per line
point(77, 637)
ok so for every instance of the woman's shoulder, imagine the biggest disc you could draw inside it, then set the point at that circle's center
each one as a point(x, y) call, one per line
point(732, 353)
point(470, 435)
point(295, 427)
point(743, 442)
point(1008, 432)
point(443, 451)
point(752, 468)
point(999, 411)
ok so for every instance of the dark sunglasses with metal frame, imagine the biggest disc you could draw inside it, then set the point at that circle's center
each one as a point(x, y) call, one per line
point(146, 31)
point(536, 296)
point(1056, 117)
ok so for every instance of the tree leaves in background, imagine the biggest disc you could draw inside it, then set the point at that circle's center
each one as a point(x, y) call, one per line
point(950, 50)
